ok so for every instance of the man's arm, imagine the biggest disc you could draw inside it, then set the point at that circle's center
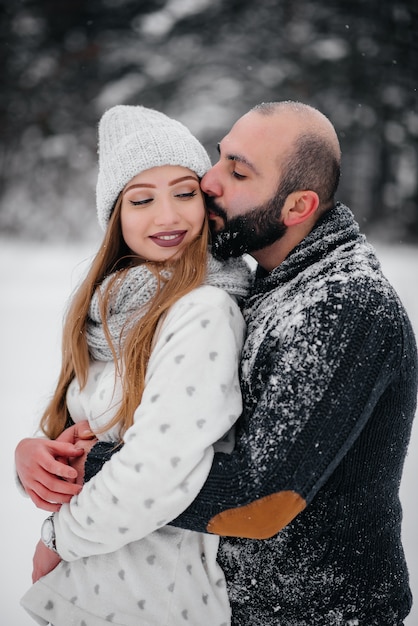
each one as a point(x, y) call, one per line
point(305, 420)
point(100, 453)
point(318, 394)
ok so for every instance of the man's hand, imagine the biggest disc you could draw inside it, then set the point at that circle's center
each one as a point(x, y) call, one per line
point(43, 466)
point(84, 439)
point(44, 561)
point(78, 463)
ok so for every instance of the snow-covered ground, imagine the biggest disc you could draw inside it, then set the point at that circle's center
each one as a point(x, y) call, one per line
point(35, 284)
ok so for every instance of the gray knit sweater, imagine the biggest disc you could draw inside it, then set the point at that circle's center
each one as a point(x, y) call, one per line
point(329, 382)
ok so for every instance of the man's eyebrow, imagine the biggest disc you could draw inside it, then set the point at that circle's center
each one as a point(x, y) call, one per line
point(239, 159)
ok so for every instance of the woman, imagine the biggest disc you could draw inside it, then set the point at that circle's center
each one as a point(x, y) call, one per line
point(151, 348)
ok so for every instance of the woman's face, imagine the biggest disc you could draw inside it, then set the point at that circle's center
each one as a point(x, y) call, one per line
point(162, 212)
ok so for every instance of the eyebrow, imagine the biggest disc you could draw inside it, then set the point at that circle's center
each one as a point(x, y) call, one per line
point(239, 158)
point(170, 184)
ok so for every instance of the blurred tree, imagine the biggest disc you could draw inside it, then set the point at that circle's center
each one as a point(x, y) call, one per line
point(205, 62)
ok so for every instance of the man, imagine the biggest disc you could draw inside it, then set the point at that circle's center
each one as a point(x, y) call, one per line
point(307, 504)
point(329, 380)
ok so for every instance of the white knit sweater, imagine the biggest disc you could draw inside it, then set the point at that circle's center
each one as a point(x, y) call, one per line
point(121, 563)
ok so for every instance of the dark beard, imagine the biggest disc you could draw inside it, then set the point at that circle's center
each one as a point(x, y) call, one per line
point(250, 232)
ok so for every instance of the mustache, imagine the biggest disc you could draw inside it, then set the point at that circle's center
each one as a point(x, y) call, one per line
point(214, 208)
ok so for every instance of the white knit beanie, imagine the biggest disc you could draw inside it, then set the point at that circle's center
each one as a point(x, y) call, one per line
point(133, 139)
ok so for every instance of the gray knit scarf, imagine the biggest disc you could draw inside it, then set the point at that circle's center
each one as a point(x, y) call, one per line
point(131, 293)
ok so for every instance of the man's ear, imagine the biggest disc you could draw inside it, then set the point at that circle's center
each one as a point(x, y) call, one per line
point(299, 206)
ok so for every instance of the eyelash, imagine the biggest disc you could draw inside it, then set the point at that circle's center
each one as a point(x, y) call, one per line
point(139, 202)
point(238, 176)
point(190, 194)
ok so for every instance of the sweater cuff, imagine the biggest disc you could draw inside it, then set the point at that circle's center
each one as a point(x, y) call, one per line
point(99, 454)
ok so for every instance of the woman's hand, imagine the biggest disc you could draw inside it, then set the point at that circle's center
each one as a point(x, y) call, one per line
point(43, 466)
point(44, 561)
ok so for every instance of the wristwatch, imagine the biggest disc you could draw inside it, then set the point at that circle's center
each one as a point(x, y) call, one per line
point(48, 533)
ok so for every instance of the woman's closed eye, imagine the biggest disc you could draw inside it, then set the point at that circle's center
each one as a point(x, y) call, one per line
point(186, 195)
point(140, 202)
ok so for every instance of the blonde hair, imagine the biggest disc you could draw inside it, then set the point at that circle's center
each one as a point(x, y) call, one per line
point(187, 273)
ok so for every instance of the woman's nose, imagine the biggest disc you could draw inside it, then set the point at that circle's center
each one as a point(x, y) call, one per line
point(167, 213)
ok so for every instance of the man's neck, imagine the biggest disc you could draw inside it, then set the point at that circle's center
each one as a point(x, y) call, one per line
point(272, 256)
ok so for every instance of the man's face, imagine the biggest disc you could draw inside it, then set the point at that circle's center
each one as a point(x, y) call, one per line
point(243, 188)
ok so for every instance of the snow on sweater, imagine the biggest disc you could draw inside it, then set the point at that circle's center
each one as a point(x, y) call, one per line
point(121, 564)
point(329, 383)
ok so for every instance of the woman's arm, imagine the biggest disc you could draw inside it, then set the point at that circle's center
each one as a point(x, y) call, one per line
point(191, 399)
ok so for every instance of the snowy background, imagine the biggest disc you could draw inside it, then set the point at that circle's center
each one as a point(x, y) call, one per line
point(36, 281)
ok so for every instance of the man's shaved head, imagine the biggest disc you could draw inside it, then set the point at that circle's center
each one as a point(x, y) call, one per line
point(313, 159)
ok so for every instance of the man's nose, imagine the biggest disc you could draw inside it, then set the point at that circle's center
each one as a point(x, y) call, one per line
point(210, 182)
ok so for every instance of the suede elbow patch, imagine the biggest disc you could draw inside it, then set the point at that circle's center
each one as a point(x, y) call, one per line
point(261, 519)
